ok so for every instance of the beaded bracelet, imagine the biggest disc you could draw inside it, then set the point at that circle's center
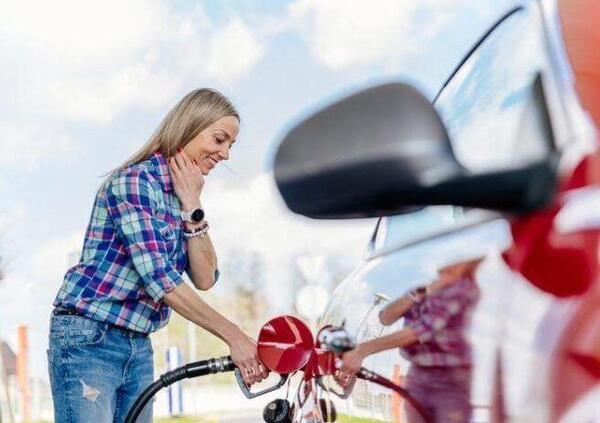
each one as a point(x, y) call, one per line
point(196, 232)
point(202, 227)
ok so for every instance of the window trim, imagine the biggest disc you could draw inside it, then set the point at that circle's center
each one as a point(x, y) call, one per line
point(484, 217)
point(371, 246)
point(476, 46)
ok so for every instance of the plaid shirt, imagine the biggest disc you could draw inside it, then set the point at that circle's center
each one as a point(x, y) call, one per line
point(134, 251)
point(440, 323)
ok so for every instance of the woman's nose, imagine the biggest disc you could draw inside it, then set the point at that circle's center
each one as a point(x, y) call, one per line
point(224, 153)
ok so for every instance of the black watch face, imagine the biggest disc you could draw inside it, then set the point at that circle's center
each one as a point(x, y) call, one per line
point(197, 215)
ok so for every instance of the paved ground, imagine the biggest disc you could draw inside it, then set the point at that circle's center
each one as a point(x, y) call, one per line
point(242, 419)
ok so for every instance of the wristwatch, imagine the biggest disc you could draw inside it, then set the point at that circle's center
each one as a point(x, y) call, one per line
point(194, 216)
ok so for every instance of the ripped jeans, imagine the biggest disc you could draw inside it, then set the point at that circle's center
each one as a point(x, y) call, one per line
point(97, 370)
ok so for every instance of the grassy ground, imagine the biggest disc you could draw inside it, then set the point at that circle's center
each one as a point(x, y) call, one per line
point(348, 419)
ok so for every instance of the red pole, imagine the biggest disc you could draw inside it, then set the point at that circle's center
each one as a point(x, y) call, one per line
point(22, 373)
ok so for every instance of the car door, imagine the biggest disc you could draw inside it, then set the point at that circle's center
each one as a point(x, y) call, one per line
point(488, 106)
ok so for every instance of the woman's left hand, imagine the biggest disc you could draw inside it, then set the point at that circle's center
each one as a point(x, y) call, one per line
point(187, 178)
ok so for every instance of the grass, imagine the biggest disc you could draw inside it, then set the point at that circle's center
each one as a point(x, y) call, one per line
point(342, 418)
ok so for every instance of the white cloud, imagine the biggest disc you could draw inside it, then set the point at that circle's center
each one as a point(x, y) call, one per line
point(42, 264)
point(72, 61)
point(26, 146)
point(49, 261)
point(73, 57)
point(344, 33)
point(253, 217)
point(233, 50)
point(13, 215)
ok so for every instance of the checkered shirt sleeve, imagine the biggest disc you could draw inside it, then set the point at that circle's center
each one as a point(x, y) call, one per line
point(439, 310)
point(131, 204)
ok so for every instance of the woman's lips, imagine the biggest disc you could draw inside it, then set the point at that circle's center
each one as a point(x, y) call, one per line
point(212, 162)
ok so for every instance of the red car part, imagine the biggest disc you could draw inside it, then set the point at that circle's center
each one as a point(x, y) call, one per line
point(285, 346)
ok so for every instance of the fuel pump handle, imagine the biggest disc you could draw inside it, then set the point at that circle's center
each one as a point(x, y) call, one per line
point(249, 394)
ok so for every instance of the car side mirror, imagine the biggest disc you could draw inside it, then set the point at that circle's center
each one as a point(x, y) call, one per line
point(384, 151)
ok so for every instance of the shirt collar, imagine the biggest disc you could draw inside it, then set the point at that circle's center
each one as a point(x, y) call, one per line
point(161, 170)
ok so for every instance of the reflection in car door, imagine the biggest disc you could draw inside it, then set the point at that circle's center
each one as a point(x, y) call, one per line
point(486, 107)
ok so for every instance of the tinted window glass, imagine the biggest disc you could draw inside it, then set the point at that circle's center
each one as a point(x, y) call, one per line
point(487, 107)
point(400, 229)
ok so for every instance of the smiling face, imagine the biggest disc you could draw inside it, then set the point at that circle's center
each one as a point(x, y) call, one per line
point(212, 145)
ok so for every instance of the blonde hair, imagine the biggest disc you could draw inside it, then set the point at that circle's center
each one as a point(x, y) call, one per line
point(195, 112)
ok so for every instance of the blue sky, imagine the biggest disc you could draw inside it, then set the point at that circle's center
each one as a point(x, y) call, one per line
point(84, 86)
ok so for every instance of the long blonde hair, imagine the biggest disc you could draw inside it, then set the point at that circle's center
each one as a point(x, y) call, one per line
point(195, 112)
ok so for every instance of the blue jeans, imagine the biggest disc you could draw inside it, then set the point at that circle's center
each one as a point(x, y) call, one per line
point(97, 370)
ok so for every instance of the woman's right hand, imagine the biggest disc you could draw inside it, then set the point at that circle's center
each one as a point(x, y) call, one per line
point(245, 356)
point(187, 178)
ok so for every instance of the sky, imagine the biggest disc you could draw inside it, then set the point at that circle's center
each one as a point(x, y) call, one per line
point(84, 84)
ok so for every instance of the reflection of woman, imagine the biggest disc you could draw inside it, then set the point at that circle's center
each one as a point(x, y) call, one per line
point(146, 228)
point(433, 340)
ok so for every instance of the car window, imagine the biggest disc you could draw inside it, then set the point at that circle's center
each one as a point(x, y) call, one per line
point(487, 106)
point(399, 231)
point(405, 228)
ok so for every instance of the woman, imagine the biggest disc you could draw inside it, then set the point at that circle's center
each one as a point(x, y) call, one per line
point(433, 340)
point(146, 228)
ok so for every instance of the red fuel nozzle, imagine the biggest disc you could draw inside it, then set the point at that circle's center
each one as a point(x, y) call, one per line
point(285, 345)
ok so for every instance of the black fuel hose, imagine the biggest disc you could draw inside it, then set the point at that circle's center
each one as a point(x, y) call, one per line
point(198, 368)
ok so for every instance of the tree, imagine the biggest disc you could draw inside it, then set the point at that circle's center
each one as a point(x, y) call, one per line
point(244, 272)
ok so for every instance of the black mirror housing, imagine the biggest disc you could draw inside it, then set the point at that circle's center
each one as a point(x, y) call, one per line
point(385, 151)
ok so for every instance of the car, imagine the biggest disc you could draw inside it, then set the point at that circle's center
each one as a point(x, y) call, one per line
point(502, 162)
